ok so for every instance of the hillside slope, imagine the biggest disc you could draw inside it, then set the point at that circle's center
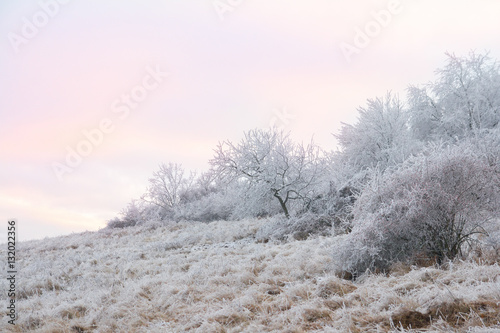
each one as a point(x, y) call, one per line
point(217, 278)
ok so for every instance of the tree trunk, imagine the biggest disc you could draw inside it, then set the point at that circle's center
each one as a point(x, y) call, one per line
point(283, 205)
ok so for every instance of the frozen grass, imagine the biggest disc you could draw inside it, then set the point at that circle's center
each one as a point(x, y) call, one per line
point(217, 278)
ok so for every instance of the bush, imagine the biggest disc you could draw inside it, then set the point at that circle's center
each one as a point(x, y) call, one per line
point(116, 223)
point(298, 227)
point(212, 207)
point(433, 205)
point(131, 216)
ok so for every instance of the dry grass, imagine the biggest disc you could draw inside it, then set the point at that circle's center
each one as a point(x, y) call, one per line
point(216, 278)
point(408, 319)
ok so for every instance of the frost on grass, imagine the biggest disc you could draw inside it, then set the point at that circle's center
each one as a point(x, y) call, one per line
point(216, 277)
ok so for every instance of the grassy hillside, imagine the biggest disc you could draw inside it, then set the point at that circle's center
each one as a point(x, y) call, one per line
point(218, 278)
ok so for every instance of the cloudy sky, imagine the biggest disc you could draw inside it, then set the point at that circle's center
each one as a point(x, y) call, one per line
point(94, 94)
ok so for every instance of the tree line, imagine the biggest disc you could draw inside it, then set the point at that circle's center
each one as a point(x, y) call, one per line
point(414, 176)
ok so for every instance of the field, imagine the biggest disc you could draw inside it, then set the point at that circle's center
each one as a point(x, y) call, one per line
point(221, 277)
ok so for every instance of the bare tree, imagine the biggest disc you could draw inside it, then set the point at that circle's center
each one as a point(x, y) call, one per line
point(167, 185)
point(268, 162)
point(464, 100)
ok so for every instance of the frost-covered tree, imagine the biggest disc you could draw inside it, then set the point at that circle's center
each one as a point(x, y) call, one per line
point(461, 102)
point(379, 139)
point(268, 164)
point(166, 186)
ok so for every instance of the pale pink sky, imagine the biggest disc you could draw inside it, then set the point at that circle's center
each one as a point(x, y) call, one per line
point(226, 74)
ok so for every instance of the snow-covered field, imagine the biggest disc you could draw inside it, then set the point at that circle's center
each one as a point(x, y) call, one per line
point(217, 277)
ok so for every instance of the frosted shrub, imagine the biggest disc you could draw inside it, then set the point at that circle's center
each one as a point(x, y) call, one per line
point(433, 205)
point(299, 227)
point(343, 203)
point(130, 216)
point(212, 207)
point(116, 222)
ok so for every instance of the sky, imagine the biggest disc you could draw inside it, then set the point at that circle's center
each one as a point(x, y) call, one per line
point(95, 94)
